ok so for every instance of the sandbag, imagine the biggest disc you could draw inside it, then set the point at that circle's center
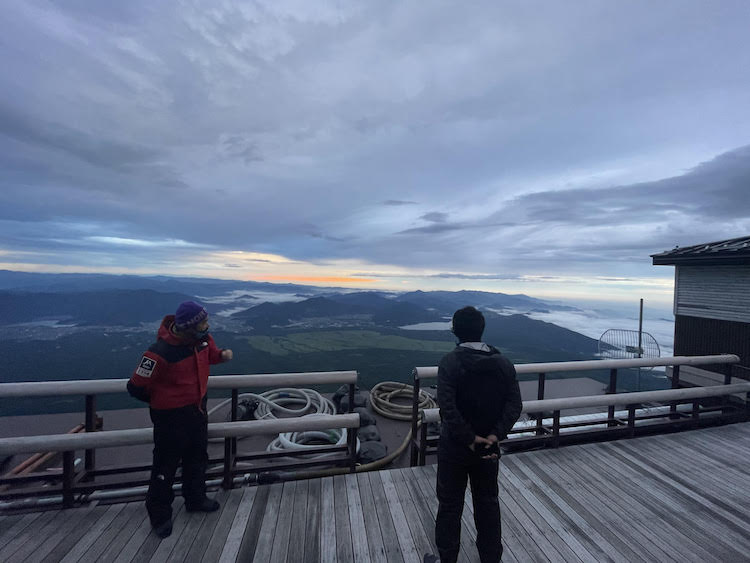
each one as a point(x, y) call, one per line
point(371, 451)
point(366, 418)
point(360, 400)
point(369, 434)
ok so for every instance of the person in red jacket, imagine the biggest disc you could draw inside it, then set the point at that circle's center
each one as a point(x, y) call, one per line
point(172, 377)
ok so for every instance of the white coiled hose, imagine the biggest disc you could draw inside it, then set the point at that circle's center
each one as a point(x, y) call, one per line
point(278, 400)
point(301, 441)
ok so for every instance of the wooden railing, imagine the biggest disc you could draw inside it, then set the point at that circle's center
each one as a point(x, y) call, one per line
point(537, 408)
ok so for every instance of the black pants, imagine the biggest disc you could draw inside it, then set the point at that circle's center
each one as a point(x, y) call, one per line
point(456, 465)
point(179, 435)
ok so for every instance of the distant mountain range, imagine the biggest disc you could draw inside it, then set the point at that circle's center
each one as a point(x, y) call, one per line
point(341, 310)
point(446, 302)
point(97, 299)
point(76, 283)
point(108, 308)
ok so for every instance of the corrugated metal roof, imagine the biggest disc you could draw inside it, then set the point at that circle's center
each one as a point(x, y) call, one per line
point(732, 251)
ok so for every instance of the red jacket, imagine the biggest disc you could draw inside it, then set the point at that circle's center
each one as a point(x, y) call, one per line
point(174, 372)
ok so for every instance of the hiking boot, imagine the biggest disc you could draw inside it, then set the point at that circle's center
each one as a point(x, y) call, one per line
point(163, 530)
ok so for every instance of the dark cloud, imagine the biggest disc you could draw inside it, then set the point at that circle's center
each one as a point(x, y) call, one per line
point(397, 202)
point(95, 150)
point(434, 228)
point(435, 217)
point(713, 190)
point(241, 147)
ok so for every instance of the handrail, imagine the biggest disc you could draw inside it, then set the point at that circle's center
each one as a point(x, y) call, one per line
point(588, 365)
point(137, 436)
point(664, 395)
point(543, 369)
point(103, 386)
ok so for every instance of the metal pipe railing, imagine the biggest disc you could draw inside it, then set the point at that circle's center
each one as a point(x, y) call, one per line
point(139, 436)
point(631, 401)
point(69, 443)
point(663, 395)
point(104, 386)
point(90, 388)
point(590, 365)
point(545, 368)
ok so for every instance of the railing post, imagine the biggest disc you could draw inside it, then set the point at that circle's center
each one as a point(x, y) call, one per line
point(610, 391)
point(230, 447)
point(540, 396)
point(422, 443)
point(414, 457)
point(675, 385)
point(68, 478)
point(556, 429)
point(90, 456)
point(229, 460)
point(727, 381)
point(631, 420)
point(352, 439)
point(352, 434)
point(235, 404)
point(351, 398)
point(695, 415)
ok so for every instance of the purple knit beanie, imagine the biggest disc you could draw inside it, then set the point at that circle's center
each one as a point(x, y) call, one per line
point(188, 315)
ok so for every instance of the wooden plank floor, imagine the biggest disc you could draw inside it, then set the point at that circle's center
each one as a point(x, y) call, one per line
point(675, 497)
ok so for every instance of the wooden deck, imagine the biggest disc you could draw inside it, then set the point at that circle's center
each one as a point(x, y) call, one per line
point(676, 497)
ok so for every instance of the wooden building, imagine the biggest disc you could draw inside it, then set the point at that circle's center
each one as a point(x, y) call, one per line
point(711, 304)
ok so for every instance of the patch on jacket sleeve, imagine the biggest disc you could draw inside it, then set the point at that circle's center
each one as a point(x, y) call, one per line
point(146, 367)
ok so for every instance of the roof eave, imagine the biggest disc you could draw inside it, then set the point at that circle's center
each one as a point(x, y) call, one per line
point(700, 260)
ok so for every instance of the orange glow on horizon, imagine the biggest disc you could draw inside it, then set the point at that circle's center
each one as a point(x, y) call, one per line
point(326, 279)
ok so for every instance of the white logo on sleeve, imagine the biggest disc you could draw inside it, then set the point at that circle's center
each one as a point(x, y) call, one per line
point(146, 367)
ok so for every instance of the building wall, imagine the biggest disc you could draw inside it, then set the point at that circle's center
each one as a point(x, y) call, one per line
point(696, 336)
point(713, 292)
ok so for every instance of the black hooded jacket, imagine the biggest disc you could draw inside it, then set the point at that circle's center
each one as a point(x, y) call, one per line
point(478, 394)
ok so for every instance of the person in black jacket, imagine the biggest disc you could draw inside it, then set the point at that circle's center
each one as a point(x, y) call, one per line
point(479, 403)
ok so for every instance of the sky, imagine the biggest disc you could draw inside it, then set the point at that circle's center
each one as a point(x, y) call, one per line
point(521, 147)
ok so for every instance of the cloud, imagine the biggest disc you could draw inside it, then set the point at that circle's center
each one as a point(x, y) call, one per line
point(397, 203)
point(713, 189)
point(435, 217)
point(144, 243)
point(314, 279)
point(443, 275)
point(241, 147)
point(332, 133)
point(435, 228)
